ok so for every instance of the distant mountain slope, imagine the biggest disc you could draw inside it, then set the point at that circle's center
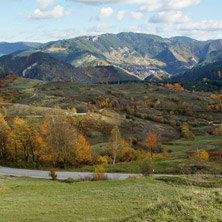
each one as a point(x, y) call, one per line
point(127, 50)
point(212, 71)
point(107, 74)
point(212, 57)
point(41, 66)
point(44, 67)
point(9, 48)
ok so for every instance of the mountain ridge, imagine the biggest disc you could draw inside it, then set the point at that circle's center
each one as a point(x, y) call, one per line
point(12, 47)
point(170, 55)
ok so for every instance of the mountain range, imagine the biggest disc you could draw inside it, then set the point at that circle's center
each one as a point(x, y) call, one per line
point(134, 55)
point(9, 48)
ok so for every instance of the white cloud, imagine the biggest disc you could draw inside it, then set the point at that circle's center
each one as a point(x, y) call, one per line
point(135, 28)
point(105, 13)
point(100, 29)
point(142, 28)
point(165, 5)
point(92, 2)
point(120, 15)
point(204, 25)
point(64, 34)
point(136, 15)
point(169, 17)
point(54, 13)
point(44, 4)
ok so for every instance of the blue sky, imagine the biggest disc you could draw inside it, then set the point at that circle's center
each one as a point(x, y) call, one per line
point(49, 20)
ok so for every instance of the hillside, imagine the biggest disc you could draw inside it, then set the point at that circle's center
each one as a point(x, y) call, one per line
point(183, 121)
point(108, 74)
point(41, 66)
point(44, 67)
point(210, 71)
point(130, 50)
point(9, 48)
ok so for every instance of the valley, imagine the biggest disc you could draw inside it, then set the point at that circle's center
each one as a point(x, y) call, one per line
point(112, 127)
point(136, 108)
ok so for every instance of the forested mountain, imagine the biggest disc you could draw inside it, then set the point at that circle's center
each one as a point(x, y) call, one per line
point(41, 66)
point(212, 71)
point(44, 67)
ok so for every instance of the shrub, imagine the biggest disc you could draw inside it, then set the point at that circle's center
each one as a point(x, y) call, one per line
point(102, 160)
point(186, 133)
point(146, 165)
point(53, 174)
point(99, 173)
point(161, 156)
point(201, 154)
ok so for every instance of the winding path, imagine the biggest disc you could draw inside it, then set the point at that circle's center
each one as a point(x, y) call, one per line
point(60, 174)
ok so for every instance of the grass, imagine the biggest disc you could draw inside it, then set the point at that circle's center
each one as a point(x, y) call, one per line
point(100, 147)
point(23, 84)
point(141, 199)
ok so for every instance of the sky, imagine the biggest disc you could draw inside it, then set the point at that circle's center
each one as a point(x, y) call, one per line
point(50, 20)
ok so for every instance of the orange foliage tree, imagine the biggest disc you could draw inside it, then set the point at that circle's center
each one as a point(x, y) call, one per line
point(151, 142)
point(60, 142)
point(83, 151)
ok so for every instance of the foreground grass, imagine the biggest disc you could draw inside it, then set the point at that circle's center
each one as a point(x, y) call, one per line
point(141, 199)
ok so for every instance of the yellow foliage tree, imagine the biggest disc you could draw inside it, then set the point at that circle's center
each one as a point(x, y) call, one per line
point(83, 151)
point(201, 154)
point(186, 133)
point(4, 137)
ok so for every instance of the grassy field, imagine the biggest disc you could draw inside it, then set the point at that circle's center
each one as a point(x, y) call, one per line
point(177, 162)
point(136, 199)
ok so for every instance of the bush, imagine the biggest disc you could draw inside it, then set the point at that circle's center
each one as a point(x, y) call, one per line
point(102, 160)
point(99, 173)
point(201, 154)
point(146, 166)
point(53, 174)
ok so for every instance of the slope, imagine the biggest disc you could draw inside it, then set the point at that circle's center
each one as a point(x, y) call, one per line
point(44, 67)
point(210, 71)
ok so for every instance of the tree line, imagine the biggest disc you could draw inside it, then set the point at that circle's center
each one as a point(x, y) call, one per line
point(57, 141)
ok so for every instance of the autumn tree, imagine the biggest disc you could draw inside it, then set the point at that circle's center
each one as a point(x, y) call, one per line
point(20, 139)
point(3, 111)
point(116, 142)
point(201, 154)
point(186, 133)
point(58, 138)
point(119, 149)
point(4, 137)
point(82, 152)
point(151, 142)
